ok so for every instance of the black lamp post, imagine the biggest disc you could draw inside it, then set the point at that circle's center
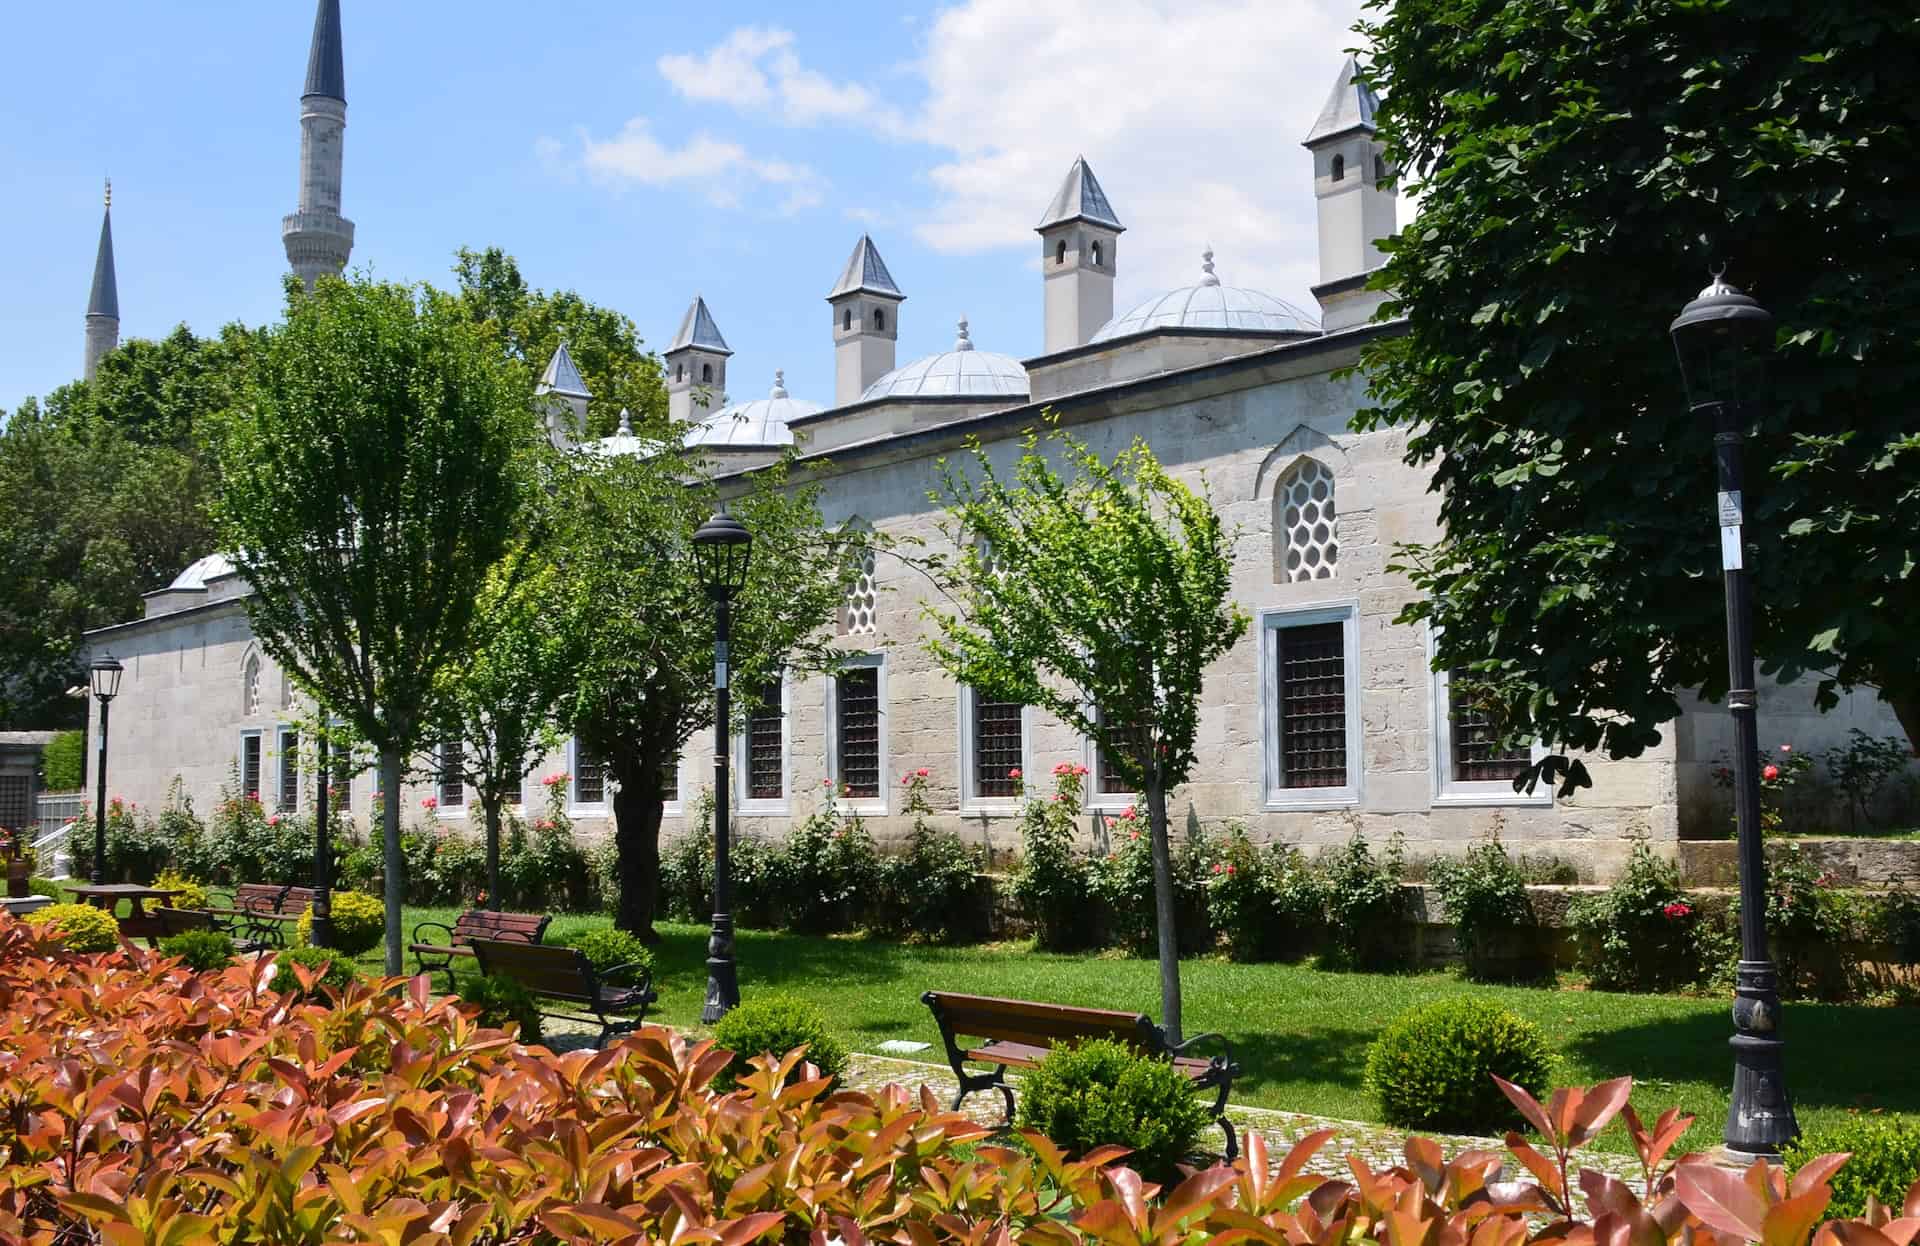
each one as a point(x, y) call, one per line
point(322, 850)
point(106, 686)
point(721, 548)
point(1723, 339)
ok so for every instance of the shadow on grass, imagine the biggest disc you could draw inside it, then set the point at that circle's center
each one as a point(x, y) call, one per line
point(1331, 1056)
point(1831, 1049)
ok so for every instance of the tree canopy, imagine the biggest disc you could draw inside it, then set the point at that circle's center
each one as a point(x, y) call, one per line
point(1580, 165)
point(377, 473)
point(1100, 596)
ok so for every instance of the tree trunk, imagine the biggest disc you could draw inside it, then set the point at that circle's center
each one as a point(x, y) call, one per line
point(490, 803)
point(637, 810)
point(394, 868)
point(1166, 920)
point(1907, 710)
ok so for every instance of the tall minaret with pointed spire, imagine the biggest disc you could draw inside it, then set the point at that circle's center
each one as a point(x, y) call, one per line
point(1077, 240)
point(866, 322)
point(1354, 189)
point(317, 237)
point(103, 304)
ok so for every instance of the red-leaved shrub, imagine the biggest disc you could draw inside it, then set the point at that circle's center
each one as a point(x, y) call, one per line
point(140, 1103)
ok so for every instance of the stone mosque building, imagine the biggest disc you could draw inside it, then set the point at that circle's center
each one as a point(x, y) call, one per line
point(1324, 718)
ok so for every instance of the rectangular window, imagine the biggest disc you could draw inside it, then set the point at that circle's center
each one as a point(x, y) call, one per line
point(1476, 753)
point(287, 795)
point(999, 747)
point(767, 746)
point(1107, 780)
point(857, 731)
point(250, 765)
point(16, 803)
point(1309, 707)
point(453, 783)
point(670, 782)
point(589, 777)
point(341, 784)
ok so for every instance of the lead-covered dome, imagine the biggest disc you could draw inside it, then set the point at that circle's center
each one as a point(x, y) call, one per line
point(753, 425)
point(1210, 305)
point(962, 372)
point(212, 567)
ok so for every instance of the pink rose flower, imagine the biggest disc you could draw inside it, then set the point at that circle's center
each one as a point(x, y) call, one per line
point(274, 820)
point(1786, 748)
point(1770, 773)
point(1229, 869)
point(922, 772)
point(1131, 813)
point(431, 802)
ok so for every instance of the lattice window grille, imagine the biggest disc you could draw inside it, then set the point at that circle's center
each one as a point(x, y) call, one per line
point(1477, 755)
point(1313, 706)
point(860, 616)
point(453, 786)
point(766, 768)
point(288, 795)
point(1307, 522)
point(1107, 781)
point(250, 766)
point(859, 732)
point(997, 746)
point(250, 687)
point(16, 802)
point(589, 778)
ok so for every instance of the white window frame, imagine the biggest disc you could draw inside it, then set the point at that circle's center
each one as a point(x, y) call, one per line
point(746, 805)
point(1448, 791)
point(280, 733)
point(575, 807)
point(876, 807)
point(334, 758)
point(677, 806)
point(240, 761)
point(441, 807)
point(971, 802)
point(1096, 801)
point(1277, 798)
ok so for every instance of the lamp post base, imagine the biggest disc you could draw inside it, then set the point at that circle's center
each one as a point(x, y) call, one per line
point(723, 981)
point(1760, 1116)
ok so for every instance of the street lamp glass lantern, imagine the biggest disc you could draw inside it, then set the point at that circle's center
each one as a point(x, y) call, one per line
point(1723, 338)
point(106, 677)
point(722, 548)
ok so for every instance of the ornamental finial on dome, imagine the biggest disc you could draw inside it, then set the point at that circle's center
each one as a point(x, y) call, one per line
point(963, 342)
point(1206, 268)
point(626, 423)
point(779, 384)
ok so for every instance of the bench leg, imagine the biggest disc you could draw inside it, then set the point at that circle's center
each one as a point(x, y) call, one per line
point(1006, 1092)
point(1233, 1142)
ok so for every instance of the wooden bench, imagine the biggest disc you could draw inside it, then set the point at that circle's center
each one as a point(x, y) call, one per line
point(565, 974)
point(470, 925)
point(1018, 1034)
point(260, 912)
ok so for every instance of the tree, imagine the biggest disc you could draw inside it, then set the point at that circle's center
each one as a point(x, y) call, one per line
point(604, 344)
point(1101, 598)
point(499, 699)
point(631, 595)
point(375, 478)
point(1579, 168)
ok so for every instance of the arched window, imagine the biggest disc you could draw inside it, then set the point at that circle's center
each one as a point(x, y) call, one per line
point(286, 690)
point(1060, 251)
point(1096, 251)
point(1339, 171)
point(706, 373)
point(679, 371)
point(859, 614)
point(250, 686)
point(1379, 170)
point(1306, 536)
point(846, 319)
point(879, 319)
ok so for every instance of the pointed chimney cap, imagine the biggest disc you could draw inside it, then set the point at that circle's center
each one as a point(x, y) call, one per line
point(866, 271)
point(1349, 107)
point(1080, 199)
point(104, 298)
point(697, 328)
point(326, 62)
point(562, 377)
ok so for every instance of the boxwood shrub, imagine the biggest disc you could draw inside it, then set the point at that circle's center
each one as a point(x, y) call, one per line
point(775, 1025)
point(83, 927)
point(503, 1002)
point(203, 950)
point(1885, 1163)
point(339, 976)
point(1434, 1066)
point(359, 920)
point(1103, 1092)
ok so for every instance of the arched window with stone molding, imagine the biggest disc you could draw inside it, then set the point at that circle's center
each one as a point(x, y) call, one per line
point(1306, 530)
point(250, 686)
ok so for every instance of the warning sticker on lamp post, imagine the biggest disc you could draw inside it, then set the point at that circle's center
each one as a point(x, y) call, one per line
point(1730, 514)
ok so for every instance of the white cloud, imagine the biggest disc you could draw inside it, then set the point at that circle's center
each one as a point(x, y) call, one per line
point(722, 170)
point(1191, 113)
point(755, 69)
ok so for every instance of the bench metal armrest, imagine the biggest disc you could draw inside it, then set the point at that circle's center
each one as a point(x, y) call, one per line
point(1224, 1062)
point(643, 979)
point(419, 926)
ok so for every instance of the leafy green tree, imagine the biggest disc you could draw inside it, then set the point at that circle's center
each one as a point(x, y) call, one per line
point(1101, 597)
point(376, 476)
point(604, 344)
point(633, 603)
point(500, 697)
point(1580, 166)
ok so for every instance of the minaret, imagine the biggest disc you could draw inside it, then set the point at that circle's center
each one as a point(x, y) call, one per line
point(103, 304)
point(562, 394)
point(318, 238)
point(1077, 237)
point(1354, 189)
point(696, 366)
point(866, 322)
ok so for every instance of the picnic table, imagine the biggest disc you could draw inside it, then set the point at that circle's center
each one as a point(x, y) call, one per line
point(138, 923)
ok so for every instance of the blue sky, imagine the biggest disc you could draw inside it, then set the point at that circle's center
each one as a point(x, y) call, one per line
point(736, 150)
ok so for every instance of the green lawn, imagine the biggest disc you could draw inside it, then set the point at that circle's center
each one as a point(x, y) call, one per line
point(1301, 1034)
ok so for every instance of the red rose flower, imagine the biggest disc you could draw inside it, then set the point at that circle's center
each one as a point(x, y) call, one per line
point(1770, 773)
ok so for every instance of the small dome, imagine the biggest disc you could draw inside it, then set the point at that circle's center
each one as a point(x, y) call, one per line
point(212, 567)
point(960, 372)
point(1210, 305)
point(622, 442)
point(753, 425)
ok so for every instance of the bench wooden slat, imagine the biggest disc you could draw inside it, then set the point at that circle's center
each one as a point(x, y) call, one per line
point(565, 974)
